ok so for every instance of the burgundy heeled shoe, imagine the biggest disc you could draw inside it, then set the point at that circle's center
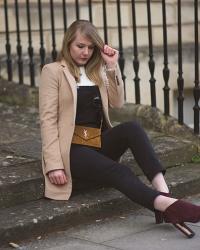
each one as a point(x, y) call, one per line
point(182, 211)
point(181, 226)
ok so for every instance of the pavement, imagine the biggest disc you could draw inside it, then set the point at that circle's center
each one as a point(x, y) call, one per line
point(95, 217)
point(133, 230)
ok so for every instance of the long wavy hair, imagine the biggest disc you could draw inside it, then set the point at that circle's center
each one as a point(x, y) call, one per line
point(93, 66)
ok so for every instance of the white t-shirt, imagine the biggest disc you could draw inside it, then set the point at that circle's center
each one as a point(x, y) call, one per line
point(84, 80)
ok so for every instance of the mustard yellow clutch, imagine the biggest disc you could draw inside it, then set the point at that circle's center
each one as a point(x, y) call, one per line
point(87, 136)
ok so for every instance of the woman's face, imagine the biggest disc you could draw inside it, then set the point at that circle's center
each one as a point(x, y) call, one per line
point(81, 49)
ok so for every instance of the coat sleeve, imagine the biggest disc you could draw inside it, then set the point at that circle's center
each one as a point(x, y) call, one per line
point(115, 88)
point(48, 108)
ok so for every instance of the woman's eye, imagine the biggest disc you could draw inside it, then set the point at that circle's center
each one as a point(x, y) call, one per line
point(82, 47)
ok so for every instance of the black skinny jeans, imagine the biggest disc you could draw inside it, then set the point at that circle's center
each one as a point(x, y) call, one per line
point(101, 166)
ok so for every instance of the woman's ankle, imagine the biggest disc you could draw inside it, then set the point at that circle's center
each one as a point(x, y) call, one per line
point(161, 202)
point(159, 183)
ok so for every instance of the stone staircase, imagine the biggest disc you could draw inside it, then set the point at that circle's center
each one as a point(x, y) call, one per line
point(24, 213)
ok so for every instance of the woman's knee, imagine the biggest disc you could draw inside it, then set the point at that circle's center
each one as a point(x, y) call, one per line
point(119, 173)
point(132, 127)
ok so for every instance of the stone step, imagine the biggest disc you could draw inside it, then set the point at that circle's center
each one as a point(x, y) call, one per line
point(36, 218)
point(20, 183)
point(23, 181)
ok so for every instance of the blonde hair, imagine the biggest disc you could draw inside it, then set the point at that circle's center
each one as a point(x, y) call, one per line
point(93, 66)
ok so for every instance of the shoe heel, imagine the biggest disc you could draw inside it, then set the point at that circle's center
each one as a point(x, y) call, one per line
point(158, 217)
point(185, 229)
point(158, 214)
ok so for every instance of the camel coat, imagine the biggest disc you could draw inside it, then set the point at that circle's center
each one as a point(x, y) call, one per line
point(57, 107)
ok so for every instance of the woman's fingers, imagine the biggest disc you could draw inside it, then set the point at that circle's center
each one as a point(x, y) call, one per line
point(62, 180)
point(109, 51)
point(65, 178)
point(57, 177)
point(110, 56)
point(51, 178)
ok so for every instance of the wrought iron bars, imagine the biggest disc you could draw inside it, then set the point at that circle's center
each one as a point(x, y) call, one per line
point(166, 71)
point(30, 48)
point(135, 53)
point(105, 22)
point(196, 90)
point(151, 59)
point(90, 10)
point(180, 80)
point(121, 57)
point(19, 47)
point(77, 9)
point(42, 49)
point(54, 52)
point(64, 16)
point(8, 46)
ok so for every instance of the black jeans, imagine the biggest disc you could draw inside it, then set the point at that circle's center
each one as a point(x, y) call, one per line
point(102, 166)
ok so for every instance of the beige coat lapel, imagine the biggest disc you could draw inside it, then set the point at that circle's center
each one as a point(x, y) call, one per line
point(72, 84)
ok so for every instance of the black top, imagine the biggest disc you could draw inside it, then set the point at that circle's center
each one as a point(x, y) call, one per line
point(89, 106)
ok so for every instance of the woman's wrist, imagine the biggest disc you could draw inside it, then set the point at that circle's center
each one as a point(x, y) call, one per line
point(111, 67)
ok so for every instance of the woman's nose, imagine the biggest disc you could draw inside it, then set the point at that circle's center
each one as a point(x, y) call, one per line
point(85, 51)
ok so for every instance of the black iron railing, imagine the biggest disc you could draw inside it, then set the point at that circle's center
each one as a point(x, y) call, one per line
point(19, 47)
point(197, 84)
point(135, 47)
point(151, 57)
point(166, 88)
point(7, 45)
point(42, 51)
point(136, 63)
point(180, 79)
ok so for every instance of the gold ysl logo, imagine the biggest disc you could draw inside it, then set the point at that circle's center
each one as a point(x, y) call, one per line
point(85, 132)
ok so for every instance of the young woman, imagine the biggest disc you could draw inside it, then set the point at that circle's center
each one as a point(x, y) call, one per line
point(77, 137)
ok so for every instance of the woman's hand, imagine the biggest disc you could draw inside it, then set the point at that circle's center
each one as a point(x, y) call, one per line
point(57, 177)
point(110, 56)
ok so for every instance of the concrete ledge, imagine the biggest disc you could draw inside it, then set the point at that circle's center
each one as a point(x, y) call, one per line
point(171, 151)
point(154, 119)
point(20, 183)
point(23, 182)
point(43, 216)
point(16, 94)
